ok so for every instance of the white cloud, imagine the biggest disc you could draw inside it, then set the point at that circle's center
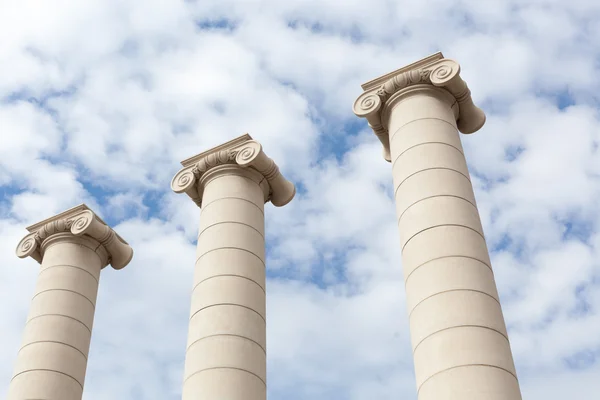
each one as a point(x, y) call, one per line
point(125, 92)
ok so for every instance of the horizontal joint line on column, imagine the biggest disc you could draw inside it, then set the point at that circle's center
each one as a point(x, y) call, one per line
point(212, 368)
point(47, 370)
point(421, 119)
point(54, 341)
point(227, 304)
point(441, 226)
point(431, 197)
point(459, 326)
point(63, 290)
point(422, 144)
point(428, 169)
point(440, 258)
point(235, 248)
point(67, 265)
point(448, 291)
point(463, 366)
point(231, 222)
point(239, 276)
point(232, 197)
point(59, 315)
point(227, 334)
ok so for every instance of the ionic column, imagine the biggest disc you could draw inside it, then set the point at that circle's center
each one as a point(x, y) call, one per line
point(226, 348)
point(460, 345)
point(72, 247)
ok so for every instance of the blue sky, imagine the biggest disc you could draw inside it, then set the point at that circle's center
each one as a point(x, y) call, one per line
point(100, 100)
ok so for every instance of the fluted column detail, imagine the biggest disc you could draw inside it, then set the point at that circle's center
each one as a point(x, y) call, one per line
point(72, 247)
point(226, 348)
point(460, 344)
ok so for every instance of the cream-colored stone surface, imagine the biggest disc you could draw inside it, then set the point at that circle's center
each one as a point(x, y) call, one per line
point(428, 156)
point(438, 211)
point(217, 384)
point(225, 352)
point(51, 356)
point(449, 273)
point(471, 382)
point(230, 262)
point(68, 279)
point(424, 131)
point(421, 103)
point(432, 183)
point(47, 385)
point(454, 309)
point(236, 187)
point(228, 320)
point(443, 241)
point(231, 235)
point(72, 247)
point(235, 211)
point(461, 346)
point(62, 304)
point(232, 290)
point(227, 328)
point(59, 329)
point(460, 343)
point(226, 347)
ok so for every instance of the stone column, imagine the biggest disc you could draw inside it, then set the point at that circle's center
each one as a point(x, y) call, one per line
point(72, 247)
point(226, 348)
point(460, 345)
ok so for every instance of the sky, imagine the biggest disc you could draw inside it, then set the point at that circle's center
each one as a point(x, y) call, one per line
point(100, 100)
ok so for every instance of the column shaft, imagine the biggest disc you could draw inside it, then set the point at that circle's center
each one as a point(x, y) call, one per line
point(226, 349)
point(459, 339)
point(52, 361)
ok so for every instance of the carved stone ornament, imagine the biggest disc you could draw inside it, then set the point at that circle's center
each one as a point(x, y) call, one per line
point(242, 151)
point(434, 70)
point(78, 221)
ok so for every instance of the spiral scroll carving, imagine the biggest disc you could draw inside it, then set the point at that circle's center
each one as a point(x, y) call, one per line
point(82, 222)
point(186, 178)
point(367, 104)
point(248, 153)
point(183, 180)
point(444, 72)
point(27, 246)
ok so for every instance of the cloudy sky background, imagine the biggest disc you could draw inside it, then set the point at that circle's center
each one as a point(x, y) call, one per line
point(100, 100)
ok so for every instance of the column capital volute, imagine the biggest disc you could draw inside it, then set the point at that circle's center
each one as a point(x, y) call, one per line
point(243, 152)
point(78, 221)
point(433, 71)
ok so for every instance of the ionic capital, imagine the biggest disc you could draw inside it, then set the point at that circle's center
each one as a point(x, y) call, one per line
point(78, 221)
point(434, 70)
point(243, 152)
